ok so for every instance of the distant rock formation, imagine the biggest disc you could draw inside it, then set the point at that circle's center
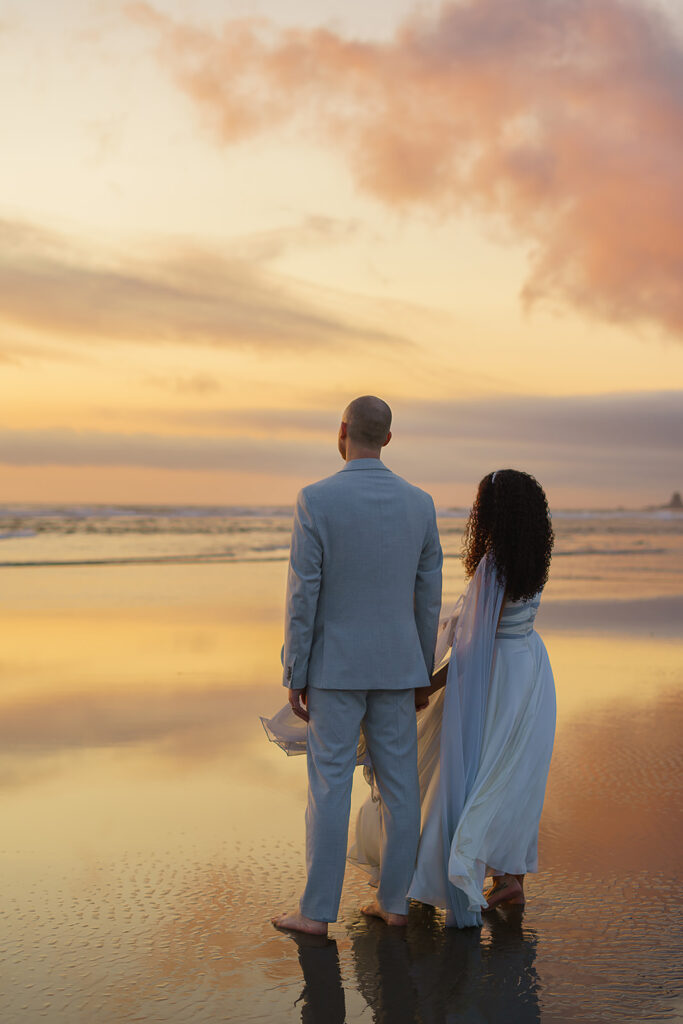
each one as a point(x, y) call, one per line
point(674, 505)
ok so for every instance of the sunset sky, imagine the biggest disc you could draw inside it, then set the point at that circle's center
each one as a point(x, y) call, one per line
point(220, 221)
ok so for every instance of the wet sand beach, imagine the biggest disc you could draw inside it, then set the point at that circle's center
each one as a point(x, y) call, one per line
point(149, 829)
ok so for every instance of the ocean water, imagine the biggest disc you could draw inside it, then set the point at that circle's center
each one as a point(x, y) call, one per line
point(616, 554)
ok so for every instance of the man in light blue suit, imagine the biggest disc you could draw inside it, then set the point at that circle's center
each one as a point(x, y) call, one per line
point(363, 602)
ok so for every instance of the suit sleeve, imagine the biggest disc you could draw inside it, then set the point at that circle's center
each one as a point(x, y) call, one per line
point(428, 591)
point(303, 588)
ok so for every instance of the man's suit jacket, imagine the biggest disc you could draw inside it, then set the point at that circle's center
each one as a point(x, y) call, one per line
point(364, 583)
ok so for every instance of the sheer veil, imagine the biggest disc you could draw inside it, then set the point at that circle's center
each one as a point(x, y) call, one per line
point(462, 729)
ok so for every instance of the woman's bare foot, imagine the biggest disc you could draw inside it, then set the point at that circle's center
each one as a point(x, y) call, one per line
point(296, 922)
point(374, 910)
point(505, 889)
point(519, 900)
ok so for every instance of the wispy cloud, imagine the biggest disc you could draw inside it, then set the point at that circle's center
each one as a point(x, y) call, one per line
point(562, 120)
point(184, 294)
point(19, 352)
point(192, 384)
point(181, 452)
point(313, 231)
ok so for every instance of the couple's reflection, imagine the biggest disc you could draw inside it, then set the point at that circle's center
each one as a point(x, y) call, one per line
point(426, 974)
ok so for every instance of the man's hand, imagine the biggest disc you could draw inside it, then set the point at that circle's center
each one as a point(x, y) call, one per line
point(297, 698)
point(421, 697)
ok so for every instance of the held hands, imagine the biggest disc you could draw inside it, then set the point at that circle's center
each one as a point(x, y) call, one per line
point(422, 697)
point(297, 699)
point(423, 693)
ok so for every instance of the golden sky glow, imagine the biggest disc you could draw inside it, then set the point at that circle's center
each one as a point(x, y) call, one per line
point(220, 222)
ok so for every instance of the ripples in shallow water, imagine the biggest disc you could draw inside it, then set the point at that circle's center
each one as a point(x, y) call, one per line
point(173, 936)
point(149, 830)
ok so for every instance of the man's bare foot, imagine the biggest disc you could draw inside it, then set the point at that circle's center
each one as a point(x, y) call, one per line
point(296, 922)
point(505, 889)
point(374, 910)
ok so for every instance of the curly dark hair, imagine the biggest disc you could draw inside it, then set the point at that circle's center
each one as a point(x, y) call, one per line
point(510, 520)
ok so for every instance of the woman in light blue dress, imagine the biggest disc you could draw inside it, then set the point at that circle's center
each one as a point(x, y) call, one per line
point(486, 738)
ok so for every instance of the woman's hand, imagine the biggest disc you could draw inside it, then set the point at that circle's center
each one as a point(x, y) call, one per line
point(439, 679)
point(422, 697)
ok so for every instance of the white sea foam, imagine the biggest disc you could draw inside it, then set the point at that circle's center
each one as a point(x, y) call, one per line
point(616, 552)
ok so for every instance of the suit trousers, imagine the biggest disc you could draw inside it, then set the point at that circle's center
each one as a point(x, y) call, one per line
point(390, 727)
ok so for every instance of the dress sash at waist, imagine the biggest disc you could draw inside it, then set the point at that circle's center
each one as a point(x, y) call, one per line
point(503, 635)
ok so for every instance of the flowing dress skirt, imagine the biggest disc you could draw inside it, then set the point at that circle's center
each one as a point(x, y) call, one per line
point(497, 831)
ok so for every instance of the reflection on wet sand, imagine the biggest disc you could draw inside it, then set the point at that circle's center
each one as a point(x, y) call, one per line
point(441, 974)
point(322, 998)
point(425, 972)
point(150, 830)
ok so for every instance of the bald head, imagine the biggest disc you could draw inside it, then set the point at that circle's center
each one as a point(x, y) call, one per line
point(368, 422)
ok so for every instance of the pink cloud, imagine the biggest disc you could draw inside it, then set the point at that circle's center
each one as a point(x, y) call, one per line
point(561, 119)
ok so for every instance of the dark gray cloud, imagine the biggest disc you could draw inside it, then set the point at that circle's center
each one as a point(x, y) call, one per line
point(182, 295)
point(621, 442)
point(617, 443)
point(626, 420)
point(630, 419)
point(648, 472)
